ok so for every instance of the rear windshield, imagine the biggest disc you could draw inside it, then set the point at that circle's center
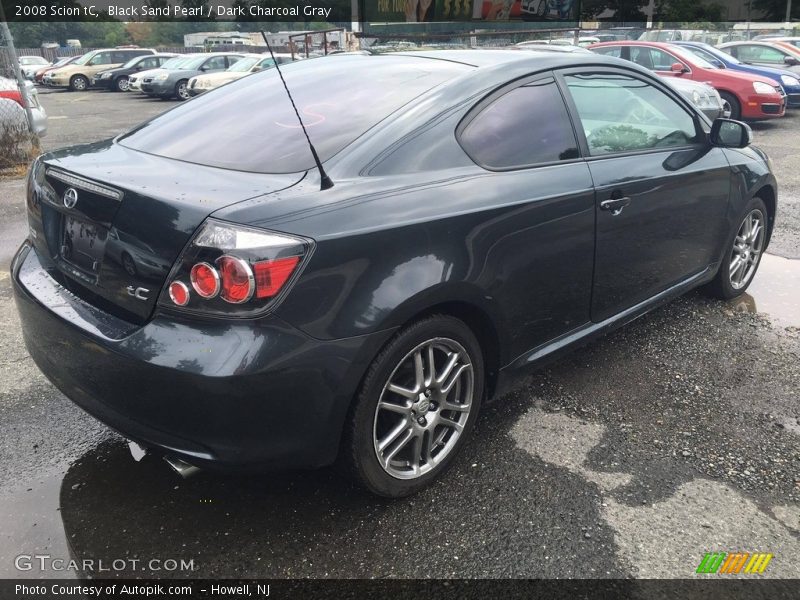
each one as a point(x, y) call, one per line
point(249, 125)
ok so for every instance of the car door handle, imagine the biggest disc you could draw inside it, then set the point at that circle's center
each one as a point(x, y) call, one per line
point(615, 205)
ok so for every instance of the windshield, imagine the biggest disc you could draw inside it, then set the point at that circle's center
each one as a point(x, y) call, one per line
point(32, 60)
point(718, 54)
point(132, 62)
point(191, 64)
point(244, 64)
point(698, 60)
point(339, 98)
point(174, 63)
point(85, 58)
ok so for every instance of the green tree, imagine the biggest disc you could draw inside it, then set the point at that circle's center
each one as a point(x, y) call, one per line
point(624, 10)
point(775, 10)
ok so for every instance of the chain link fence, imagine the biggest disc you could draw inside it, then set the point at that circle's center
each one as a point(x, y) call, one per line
point(19, 109)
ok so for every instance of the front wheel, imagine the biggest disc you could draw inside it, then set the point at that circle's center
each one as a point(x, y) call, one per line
point(79, 83)
point(182, 90)
point(744, 253)
point(416, 407)
point(731, 105)
point(121, 84)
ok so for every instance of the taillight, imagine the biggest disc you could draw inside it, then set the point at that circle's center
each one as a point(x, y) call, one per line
point(14, 95)
point(234, 270)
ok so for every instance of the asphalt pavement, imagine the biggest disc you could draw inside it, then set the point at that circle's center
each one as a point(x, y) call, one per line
point(632, 457)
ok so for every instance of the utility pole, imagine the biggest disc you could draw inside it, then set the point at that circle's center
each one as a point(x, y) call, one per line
point(8, 42)
point(788, 11)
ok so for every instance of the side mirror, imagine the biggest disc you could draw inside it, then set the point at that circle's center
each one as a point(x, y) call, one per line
point(678, 68)
point(727, 133)
point(791, 61)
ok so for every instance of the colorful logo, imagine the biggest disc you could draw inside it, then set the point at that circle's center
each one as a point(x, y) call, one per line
point(734, 562)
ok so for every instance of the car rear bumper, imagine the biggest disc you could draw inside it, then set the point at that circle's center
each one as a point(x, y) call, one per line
point(214, 393)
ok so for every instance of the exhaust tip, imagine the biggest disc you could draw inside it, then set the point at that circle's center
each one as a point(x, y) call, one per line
point(181, 467)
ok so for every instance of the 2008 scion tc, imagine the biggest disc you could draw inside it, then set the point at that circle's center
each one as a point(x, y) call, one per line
point(192, 285)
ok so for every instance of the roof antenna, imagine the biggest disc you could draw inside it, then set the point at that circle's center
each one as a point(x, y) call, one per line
point(325, 181)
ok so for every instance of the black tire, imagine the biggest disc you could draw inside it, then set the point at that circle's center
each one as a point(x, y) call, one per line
point(359, 453)
point(721, 286)
point(733, 102)
point(78, 83)
point(182, 90)
point(120, 84)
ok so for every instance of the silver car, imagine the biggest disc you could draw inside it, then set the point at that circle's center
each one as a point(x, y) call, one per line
point(705, 98)
point(30, 64)
point(12, 109)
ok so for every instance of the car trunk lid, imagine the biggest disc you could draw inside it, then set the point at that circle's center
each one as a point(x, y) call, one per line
point(112, 221)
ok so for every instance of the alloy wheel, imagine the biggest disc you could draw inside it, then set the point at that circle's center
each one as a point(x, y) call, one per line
point(423, 408)
point(183, 91)
point(122, 84)
point(747, 247)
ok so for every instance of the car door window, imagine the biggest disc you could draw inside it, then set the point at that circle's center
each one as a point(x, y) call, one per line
point(101, 58)
point(527, 126)
point(763, 54)
point(652, 58)
point(215, 63)
point(624, 114)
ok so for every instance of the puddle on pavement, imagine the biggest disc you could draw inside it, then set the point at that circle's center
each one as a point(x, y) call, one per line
point(775, 291)
point(32, 525)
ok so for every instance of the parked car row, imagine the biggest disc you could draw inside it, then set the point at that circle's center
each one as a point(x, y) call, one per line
point(750, 87)
point(143, 70)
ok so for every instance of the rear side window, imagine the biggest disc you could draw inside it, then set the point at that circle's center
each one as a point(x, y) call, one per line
point(624, 114)
point(527, 126)
point(249, 125)
point(609, 51)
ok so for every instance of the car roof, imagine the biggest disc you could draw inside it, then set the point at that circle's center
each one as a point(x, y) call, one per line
point(488, 58)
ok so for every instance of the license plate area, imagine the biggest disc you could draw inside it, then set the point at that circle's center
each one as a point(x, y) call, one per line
point(83, 245)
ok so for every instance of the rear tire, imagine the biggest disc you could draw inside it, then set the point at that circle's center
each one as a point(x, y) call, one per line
point(744, 249)
point(409, 420)
point(733, 103)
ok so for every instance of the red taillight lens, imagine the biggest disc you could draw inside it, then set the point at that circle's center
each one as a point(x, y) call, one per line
point(179, 293)
point(232, 270)
point(272, 274)
point(205, 280)
point(238, 283)
point(12, 95)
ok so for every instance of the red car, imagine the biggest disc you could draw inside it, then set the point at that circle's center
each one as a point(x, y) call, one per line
point(61, 62)
point(747, 96)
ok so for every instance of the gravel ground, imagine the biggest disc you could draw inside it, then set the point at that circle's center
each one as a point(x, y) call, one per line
point(632, 457)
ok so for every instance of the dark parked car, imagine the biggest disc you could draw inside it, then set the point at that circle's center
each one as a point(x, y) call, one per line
point(116, 80)
point(173, 83)
point(489, 210)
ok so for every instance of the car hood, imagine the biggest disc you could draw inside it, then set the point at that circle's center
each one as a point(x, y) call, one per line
point(221, 77)
point(718, 74)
